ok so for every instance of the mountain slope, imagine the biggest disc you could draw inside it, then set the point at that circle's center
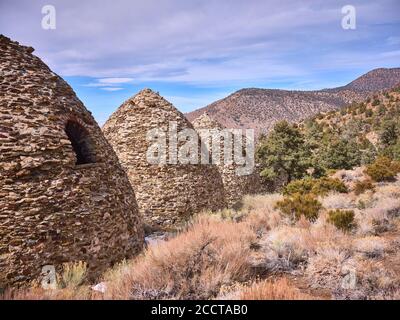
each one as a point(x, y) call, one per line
point(374, 119)
point(261, 108)
point(377, 79)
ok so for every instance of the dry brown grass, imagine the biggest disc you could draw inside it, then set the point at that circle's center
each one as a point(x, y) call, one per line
point(194, 265)
point(260, 211)
point(273, 290)
point(338, 201)
point(287, 247)
point(379, 217)
point(350, 177)
point(371, 246)
point(38, 293)
point(327, 268)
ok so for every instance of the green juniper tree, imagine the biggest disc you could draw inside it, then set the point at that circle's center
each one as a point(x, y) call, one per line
point(283, 153)
point(389, 132)
point(339, 153)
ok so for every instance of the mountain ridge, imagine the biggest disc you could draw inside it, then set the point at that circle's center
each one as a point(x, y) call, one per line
point(260, 108)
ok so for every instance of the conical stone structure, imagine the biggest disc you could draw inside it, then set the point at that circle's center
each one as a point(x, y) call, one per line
point(235, 186)
point(168, 194)
point(64, 196)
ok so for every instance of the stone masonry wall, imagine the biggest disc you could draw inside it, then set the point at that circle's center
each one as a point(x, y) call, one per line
point(167, 194)
point(235, 186)
point(51, 210)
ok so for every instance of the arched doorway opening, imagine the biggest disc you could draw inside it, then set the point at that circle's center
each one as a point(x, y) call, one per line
point(81, 143)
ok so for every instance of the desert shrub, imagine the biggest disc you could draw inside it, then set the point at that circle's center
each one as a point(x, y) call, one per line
point(73, 274)
point(368, 153)
point(395, 166)
point(302, 186)
point(371, 246)
point(389, 132)
point(376, 102)
point(361, 205)
point(300, 205)
point(324, 269)
point(362, 108)
point(392, 151)
point(381, 110)
point(383, 169)
point(342, 219)
point(362, 186)
point(396, 151)
point(321, 186)
point(324, 185)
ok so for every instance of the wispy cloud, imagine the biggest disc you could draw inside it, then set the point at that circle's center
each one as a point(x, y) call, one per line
point(109, 84)
point(200, 42)
point(114, 80)
point(112, 88)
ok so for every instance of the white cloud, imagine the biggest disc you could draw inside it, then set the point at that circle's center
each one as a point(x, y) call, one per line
point(112, 88)
point(96, 84)
point(109, 83)
point(114, 80)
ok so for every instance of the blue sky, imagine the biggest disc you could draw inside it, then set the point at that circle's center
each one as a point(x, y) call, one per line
point(195, 52)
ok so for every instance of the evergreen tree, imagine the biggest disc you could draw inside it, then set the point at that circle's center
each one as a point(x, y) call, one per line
point(389, 133)
point(340, 154)
point(283, 153)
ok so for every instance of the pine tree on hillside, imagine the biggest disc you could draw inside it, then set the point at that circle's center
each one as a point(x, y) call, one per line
point(284, 153)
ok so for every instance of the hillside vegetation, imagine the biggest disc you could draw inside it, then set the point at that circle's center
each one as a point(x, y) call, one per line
point(373, 124)
point(354, 136)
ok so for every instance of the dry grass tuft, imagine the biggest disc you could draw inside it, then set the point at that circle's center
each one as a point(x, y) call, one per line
point(194, 265)
point(328, 267)
point(260, 212)
point(338, 201)
point(288, 246)
point(73, 274)
point(371, 247)
point(273, 290)
point(37, 293)
point(350, 177)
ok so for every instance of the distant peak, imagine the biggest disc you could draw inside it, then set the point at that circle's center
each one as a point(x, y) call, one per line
point(375, 80)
